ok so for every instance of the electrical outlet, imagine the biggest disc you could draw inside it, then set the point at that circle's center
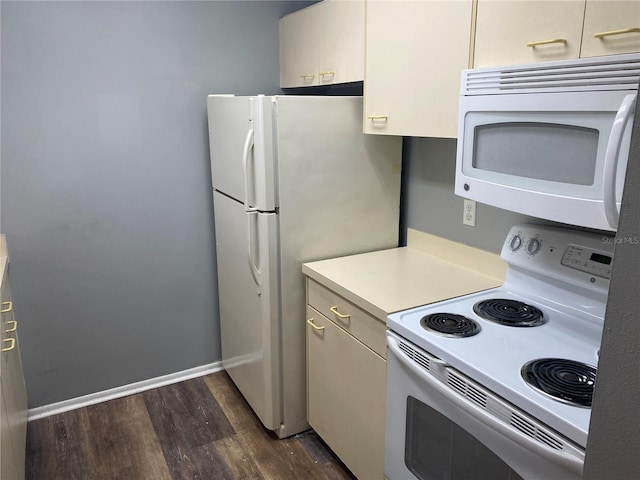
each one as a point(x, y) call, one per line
point(469, 217)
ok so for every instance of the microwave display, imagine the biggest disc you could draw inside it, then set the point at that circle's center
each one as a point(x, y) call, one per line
point(542, 151)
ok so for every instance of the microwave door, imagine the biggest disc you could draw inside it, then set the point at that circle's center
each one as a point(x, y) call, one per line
point(544, 155)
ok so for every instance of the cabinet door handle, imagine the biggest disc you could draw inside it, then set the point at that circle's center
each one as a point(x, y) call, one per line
point(377, 117)
point(547, 42)
point(307, 75)
point(327, 73)
point(12, 345)
point(13, 328)
point(6, 306)
point(315, 327)
point(334, 309)
point(616, 32)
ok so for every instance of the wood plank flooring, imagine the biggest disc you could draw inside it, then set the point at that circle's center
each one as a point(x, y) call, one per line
point(200, 429)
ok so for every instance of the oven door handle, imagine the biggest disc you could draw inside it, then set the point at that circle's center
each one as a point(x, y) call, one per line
point(569, 462)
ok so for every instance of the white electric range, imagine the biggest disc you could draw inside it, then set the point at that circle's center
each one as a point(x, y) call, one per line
point(514, 367)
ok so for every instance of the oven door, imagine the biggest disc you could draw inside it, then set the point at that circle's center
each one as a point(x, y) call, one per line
point(442, 426)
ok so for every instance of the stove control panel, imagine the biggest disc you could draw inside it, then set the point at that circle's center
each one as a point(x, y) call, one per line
point(588, 260)
point(581, 258)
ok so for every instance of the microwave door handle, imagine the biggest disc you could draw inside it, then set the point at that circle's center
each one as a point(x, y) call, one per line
point(568, 461)
point(625, 112)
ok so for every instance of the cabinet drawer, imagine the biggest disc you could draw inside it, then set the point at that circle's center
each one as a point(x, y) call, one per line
point(365, 327)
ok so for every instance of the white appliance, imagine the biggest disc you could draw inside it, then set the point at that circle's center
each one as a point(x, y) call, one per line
point(294, 180)
point(498, 384)
point(550, 140)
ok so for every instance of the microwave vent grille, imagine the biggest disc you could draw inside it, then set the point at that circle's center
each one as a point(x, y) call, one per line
point(617, 72)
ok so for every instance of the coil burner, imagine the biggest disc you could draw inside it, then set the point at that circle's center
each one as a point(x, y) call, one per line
point(450, 325)
point(565, 380)
point(512, 313)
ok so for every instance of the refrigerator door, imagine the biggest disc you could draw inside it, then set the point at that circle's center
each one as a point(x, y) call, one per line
point(247, 281)
point(339, 194)
point(241, 149)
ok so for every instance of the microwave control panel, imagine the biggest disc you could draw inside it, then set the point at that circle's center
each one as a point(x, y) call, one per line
point(588, 260)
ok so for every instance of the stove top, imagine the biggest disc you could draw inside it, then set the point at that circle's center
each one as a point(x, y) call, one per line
point(548, 308)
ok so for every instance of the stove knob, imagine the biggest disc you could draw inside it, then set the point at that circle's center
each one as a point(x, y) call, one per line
point(533, 247)
point(515, 243)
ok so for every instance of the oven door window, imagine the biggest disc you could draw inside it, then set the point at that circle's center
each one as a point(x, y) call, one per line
point(438, 449)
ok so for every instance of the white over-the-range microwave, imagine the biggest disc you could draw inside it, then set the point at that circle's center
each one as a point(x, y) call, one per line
point(550, 140)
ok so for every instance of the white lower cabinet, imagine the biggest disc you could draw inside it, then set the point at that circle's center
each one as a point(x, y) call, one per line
point(8, 461)
point(348, 301)
point(13, 396)
point(346, 382)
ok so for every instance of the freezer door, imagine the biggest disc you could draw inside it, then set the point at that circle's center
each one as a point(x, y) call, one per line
point(241, 149)
point(247, 281)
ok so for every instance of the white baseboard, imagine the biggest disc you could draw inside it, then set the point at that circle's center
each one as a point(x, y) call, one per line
point(123, 391)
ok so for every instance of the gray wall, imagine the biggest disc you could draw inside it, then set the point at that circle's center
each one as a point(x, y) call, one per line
point(106, 199)
point(430, 205)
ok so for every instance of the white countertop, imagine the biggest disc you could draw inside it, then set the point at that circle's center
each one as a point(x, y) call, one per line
point(428, 270)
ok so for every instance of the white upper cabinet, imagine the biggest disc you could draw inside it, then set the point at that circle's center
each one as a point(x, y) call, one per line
point(511, 32)
point(610, 27)
point(323, 44)
point(298, 53)
point(415, 51)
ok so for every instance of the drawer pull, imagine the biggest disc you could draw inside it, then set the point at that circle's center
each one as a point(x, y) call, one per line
point(315, 327)
point(12, 345)
point(13, 328)
point(6, 306)
point(547, 42)
point(616, 32)
point(334, 309)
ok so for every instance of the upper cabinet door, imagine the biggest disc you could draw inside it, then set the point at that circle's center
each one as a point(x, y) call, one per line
point(610, 27)
point(323, 44)
point(513, 32)
point(298, 48)
point(415, 51)
point(341, 41)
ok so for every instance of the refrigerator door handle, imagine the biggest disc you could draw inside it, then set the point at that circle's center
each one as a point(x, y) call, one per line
point(248, 146)
point(251, 246)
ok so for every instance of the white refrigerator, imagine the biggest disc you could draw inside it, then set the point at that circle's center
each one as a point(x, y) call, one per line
point(294, 180)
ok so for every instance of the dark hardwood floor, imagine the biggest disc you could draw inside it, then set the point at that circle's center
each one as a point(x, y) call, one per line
point(197, 429)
